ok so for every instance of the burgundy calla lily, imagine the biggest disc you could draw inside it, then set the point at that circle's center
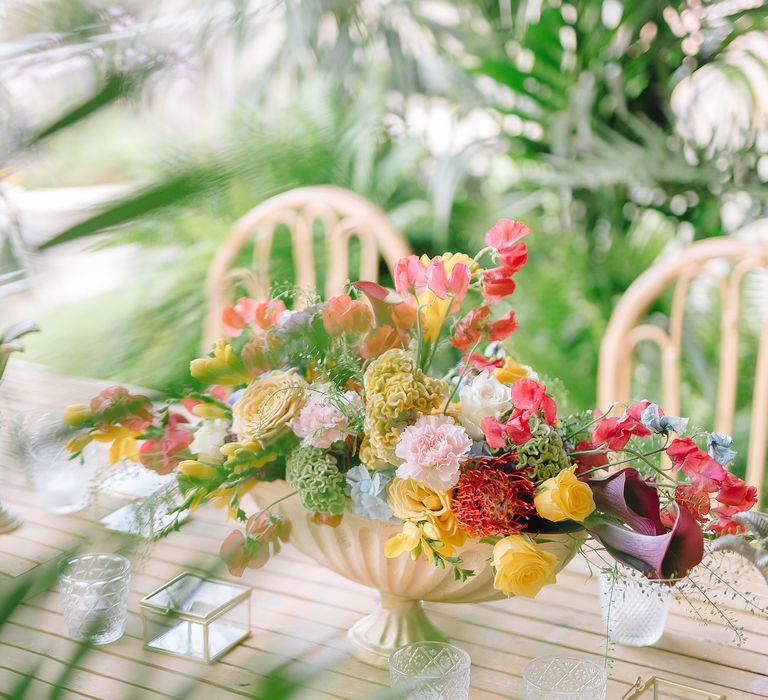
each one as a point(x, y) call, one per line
point(671, 555)
point(626, 496)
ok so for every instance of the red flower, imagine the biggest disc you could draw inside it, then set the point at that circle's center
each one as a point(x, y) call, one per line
point(725, 526)
point(410, 275)
point(735, 496)
point(246, 311)
point(517, 428)
point(530, 397)
point(162, 454)
point(342, 314)
point(513, 258)
point(494, 432)
point(705, 474)
point(497, 284)
point(503, 327)
point(615, 432)
point(695, 502)
point(587, 462)
point(489, 501)
point(481, 362)
point(116, 405)
point(470, 327)
point(505, 233)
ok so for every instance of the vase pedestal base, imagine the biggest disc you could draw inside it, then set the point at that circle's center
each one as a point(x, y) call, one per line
point(395, 621)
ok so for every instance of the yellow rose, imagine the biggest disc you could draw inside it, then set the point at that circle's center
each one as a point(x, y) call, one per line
point(521, 567)
point(414, 501)
point(267, 406)
point(564, 497)
point(225, 367)
point(510, 371)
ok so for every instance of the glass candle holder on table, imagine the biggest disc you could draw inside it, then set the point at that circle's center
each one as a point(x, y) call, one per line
point(196, 618)
point(634, 609)
point(430, 671)
point(94, 589)
point(563, 678)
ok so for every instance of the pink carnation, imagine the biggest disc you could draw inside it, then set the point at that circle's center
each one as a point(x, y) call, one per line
point(320, 422)
point(432, 450)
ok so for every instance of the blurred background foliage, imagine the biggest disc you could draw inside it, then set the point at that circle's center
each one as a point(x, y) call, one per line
point(618, 131)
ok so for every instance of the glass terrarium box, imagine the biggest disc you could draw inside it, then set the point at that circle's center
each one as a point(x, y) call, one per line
point(660, 689)
point(196, 617)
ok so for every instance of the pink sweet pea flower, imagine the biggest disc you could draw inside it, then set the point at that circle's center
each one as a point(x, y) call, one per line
point(470, 327)
point(726, 526)
point(494, 432)
point(502, 327)
point(615, 433)
point(705, 474)
point(456, 285)
point(497, 284)
point(263, 531)
point(410, 275)
point(505, 233)
point(481, 362)
point(529, 396)
point(735, 496)
point(162, 454)
point(247, 311)
point(587, 462)
point(512, 259)
point(517, 428)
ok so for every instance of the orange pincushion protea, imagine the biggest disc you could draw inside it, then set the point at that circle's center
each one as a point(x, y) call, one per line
point(491, 501)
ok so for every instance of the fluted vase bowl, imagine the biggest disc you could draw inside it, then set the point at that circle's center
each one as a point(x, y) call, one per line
point(355, 550)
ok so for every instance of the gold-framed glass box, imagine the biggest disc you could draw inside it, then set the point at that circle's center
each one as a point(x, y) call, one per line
point(196, 618)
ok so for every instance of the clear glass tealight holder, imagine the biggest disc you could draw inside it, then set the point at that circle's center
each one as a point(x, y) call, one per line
point(196, 617)
point(63, 483)
point(94, 590)
point(634, 609)
point(564, 678)
point(430, 671)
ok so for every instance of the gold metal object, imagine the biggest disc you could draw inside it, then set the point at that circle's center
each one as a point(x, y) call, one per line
point(654, 689)
point(196, 618)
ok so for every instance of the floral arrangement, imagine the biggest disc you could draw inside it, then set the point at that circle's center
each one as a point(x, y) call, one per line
point(341, 399)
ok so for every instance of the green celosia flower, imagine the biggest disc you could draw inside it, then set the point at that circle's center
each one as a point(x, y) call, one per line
point(396, 393)
point(544, 454)
point(572, 427)
point(315, 475)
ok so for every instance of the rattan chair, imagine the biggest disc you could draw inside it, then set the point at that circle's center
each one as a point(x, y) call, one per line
point(344, 215)
point(727, 261)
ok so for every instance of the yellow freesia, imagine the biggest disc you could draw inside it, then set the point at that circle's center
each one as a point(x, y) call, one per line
point(225, 367)
point(209, 410)
point(510, 371)
point(124, 443)
point(78, 442)
point(197, 470)
point(77, 415)
point(229, 498)
point(406, 541)
point(564, 497)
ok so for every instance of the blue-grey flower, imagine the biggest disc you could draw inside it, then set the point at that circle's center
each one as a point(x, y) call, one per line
point(719, 448)
point(652, 419)
point(369, 492)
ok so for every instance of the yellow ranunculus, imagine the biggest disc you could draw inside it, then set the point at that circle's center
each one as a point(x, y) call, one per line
point(124, 443)
point(77, 414)
point(521, 567)
point(564, 497)
point(197, 470)
point(414, 501)
point(510, 371)
point(225, 367)
point(268, 404)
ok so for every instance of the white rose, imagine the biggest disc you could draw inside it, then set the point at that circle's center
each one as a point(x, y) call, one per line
point(485, 396)
point(209, 437)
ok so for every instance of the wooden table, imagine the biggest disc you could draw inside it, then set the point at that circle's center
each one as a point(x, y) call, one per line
point(301, 612)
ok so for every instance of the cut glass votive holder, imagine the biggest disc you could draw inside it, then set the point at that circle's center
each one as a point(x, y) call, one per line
point(634, 609)
point(564, 678)
point(94, 589)
point(430, 671)
point(196, 618)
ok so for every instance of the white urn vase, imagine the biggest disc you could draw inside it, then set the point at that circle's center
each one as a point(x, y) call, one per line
point(355, 550)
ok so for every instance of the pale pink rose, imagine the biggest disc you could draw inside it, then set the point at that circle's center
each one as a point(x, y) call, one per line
point(432, 450)
point(320, 421)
